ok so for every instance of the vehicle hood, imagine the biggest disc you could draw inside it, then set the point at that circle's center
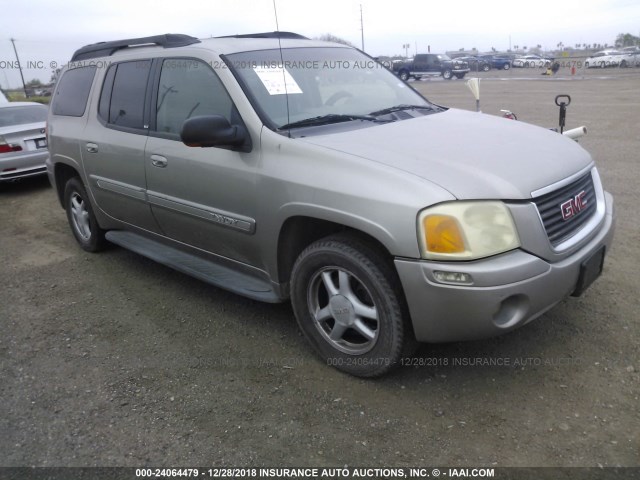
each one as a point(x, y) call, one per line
point(471, 155)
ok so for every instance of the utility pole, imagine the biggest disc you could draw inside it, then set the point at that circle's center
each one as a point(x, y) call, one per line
point(24, 87)
point(361, 28)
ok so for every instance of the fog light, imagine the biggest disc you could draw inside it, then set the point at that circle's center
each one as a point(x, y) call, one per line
point(453, 277)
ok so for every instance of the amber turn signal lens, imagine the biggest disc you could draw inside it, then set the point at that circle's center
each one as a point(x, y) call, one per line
point(443, 235)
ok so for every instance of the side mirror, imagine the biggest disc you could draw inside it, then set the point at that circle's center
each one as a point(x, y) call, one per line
point(214, 131)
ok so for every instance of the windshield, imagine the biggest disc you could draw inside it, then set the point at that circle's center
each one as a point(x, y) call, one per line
point(320, 82)
point(22, 115)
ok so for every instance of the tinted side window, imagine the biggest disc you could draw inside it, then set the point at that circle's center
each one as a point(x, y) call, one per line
point(188, 88)
point(128, 95)
point(105, 95)
point(73, 91)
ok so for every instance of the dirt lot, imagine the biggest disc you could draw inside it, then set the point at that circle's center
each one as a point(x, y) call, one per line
point(113, 360)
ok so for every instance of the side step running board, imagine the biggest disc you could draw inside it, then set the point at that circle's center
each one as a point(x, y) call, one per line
point(205, 270)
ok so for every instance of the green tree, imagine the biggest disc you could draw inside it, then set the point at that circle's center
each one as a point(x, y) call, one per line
point(626, 40)
point(34, 83)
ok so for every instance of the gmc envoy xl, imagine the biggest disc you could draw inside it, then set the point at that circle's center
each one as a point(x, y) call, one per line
point(283, 168)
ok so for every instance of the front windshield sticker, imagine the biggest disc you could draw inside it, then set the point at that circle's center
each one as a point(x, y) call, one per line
point(273, 79)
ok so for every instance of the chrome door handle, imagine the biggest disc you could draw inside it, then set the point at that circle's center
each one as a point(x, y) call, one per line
point(92, 148)
point(158, 161)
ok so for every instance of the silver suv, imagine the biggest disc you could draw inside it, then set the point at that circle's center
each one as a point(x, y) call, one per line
point(281, 168)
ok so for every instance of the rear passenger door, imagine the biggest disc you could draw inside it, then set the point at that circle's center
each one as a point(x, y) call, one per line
point(203, 197)
point(113, 149)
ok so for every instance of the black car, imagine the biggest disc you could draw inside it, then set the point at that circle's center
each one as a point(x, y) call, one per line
point(476, 64)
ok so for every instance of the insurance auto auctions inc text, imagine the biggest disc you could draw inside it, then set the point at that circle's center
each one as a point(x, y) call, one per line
point(375, 472)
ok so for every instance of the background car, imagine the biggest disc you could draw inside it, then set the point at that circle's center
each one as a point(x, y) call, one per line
point(23, 144)
point(497, 61)
point(476, 64)
point(608, 58)
point(532, 61)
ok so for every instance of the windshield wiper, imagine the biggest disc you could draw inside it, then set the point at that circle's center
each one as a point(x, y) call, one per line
point(398, 108)
point(327, 119)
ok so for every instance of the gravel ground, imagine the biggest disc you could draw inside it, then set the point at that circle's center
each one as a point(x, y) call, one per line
point(113, 360)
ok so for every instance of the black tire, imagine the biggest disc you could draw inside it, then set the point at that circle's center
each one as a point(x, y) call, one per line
point(623, 64)
point(404, 75)
point(486, 67)
point(417, 77)
point(447, 74)
point(82, 220)
point(460, 76)
point(507, 66)
point(362, 328)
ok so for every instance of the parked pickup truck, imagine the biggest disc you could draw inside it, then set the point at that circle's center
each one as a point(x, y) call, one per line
point(432, 64)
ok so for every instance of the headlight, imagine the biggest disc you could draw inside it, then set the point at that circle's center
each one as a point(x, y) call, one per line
point(466, 230)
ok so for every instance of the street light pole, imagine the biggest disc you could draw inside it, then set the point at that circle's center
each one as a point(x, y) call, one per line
point(24, 87)
point(361, 28)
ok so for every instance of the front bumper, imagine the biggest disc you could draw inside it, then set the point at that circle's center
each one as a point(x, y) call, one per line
point(508, 290)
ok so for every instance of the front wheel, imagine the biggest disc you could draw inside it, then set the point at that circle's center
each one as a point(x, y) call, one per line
point(486, 68)
point(460, 76)
point(347, 302)
point(82, 220)
point(446, 74)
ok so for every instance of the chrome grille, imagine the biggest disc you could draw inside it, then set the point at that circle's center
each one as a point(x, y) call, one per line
point(549, 206)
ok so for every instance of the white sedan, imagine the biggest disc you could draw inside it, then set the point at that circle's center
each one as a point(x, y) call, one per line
point(609, 58)
point(533, 61)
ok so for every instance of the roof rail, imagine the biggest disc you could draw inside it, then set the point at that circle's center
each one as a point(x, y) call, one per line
point(106, 49)
point(290, 35)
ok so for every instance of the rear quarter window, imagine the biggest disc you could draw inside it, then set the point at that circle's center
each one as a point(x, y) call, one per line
point(22, 115)
point(73, 92)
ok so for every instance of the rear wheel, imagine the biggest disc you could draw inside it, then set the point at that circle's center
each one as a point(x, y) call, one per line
point(82, 220)
point(506, 66)
point(347, 302)
point(404, 75)
point(486, 68)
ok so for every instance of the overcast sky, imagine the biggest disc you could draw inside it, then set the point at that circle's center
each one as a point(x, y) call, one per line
point(48, 32)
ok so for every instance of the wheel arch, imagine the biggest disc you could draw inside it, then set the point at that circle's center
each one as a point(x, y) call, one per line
point(63, 173)
point(297, 232)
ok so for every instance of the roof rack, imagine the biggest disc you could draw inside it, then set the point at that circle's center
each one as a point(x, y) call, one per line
point(106, 49)
point(281, 35)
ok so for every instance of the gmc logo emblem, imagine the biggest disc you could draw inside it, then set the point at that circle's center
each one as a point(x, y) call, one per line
point(573, 206)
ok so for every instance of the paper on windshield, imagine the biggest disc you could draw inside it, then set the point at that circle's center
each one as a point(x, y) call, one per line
point(274, 78)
